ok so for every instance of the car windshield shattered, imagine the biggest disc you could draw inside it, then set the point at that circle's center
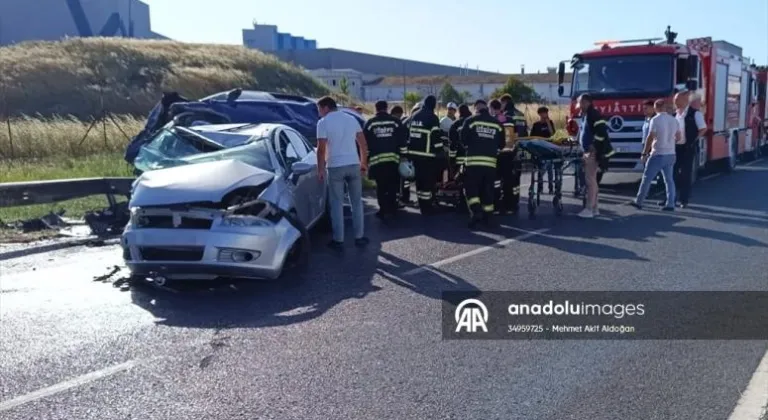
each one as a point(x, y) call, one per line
point(175, 147)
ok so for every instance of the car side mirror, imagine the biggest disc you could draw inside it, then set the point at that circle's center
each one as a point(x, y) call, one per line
point(301, 168)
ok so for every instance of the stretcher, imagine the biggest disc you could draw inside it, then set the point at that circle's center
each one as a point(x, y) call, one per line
point(537, 154)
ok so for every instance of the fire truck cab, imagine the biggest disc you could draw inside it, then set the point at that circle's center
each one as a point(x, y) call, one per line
point(621, 75)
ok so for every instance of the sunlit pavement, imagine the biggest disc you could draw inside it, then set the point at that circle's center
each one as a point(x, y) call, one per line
point(359, 337)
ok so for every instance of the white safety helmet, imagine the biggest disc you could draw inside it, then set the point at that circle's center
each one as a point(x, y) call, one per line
point(407, 170)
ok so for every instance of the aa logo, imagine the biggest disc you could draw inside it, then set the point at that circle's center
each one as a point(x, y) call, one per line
point(471, 315)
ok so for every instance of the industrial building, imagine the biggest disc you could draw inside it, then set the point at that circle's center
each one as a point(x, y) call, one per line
point(51, 20)
point(267, 38)
point(333, 58)
point(393, 88)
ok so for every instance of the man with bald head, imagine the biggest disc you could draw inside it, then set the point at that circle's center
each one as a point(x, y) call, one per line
point(692, 126)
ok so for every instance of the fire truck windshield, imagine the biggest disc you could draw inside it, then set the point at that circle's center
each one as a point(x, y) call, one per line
point(643, 75)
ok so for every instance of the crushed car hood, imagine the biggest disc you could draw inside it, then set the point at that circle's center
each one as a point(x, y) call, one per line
point(200, 182)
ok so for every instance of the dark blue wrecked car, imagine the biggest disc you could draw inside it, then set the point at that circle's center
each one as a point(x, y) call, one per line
point(232, 107)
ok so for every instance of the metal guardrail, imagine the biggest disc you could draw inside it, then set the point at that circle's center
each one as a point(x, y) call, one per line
point(14, 194)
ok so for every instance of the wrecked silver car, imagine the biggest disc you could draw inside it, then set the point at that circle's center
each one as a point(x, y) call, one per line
point(232, 201)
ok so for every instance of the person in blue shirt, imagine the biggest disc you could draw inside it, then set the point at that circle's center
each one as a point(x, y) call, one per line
point(593, 138)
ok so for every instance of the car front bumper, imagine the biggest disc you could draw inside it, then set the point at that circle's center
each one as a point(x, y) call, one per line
point(208, 254)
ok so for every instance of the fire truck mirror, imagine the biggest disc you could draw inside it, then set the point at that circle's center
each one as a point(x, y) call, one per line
point(560, 90)
point(561, 73)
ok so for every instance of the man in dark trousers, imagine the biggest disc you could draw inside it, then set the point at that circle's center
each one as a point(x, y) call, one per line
point(386, 137)
point(544, 127)
point(483, 137)
point(454, 136)
point(425, 147)
point(510, 163)
point(693, 126)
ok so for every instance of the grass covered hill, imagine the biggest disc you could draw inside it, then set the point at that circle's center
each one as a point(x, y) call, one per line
point(71, 77)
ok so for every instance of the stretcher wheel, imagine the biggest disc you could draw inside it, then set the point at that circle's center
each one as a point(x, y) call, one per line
point(557, 203)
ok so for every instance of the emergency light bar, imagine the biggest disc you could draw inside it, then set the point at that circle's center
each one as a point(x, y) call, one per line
point(629, 41)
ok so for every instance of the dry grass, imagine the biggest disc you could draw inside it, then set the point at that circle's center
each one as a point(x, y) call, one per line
point(73, 76)
point(33, 139)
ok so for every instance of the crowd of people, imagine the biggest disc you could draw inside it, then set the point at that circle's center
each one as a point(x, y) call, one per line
point(480, 148)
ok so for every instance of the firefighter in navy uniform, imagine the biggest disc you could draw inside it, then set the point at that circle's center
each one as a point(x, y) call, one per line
point(510, 162)
point(425, 147)
point(386, 137)
point(482, 136)
point(457, 152)
point(405, 184)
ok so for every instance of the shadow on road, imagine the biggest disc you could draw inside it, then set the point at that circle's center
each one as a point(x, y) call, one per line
point(643, 226)
point(329, 280)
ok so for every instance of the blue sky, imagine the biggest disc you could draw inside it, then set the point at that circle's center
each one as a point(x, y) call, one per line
point(501, 36)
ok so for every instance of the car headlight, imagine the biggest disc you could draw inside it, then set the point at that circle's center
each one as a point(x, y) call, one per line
point(134, 221)
point(244, 221)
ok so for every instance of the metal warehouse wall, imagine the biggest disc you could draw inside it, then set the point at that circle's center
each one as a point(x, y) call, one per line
point(25, 20)
point(331, 58)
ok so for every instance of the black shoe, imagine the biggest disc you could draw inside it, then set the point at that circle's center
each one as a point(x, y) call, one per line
point(665, 208)
point(663, 203)
point(683, 205)
point(336, 246)
point(380, 215)
point(362, 242)
point(635, 205)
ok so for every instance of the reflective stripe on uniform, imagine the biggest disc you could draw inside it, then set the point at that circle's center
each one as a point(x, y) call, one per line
point(516, 190)
point(416, 153)
point(424, 195)
point(461, 160)
point(599, 138)
point(497, 184)
point(598, 122)
point(473, 200)
point(484, 124)
point(611, 153)
point(403, 150)
point(383, 157)
point(481, 161)
point(488, 208)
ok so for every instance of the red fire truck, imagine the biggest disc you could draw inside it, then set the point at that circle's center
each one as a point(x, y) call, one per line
point(760, 110)
point(621, 75)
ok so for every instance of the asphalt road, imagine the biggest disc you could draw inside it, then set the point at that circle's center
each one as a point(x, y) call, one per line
point(359, 337)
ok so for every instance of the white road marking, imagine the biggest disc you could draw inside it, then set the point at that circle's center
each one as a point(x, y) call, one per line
point(754, 162)
point(755, 398)
point(66, 385)
point(708, 177)
point(475, 251)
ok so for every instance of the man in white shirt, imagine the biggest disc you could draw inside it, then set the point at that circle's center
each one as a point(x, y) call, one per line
point(447, 121)
point(338, 137)
point(692, 125)
point(659, 154)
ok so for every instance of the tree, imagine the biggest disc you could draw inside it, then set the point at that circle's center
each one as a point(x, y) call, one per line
point(411, 98)
point(344, 86)
point(449, 94)
point(521, 93)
